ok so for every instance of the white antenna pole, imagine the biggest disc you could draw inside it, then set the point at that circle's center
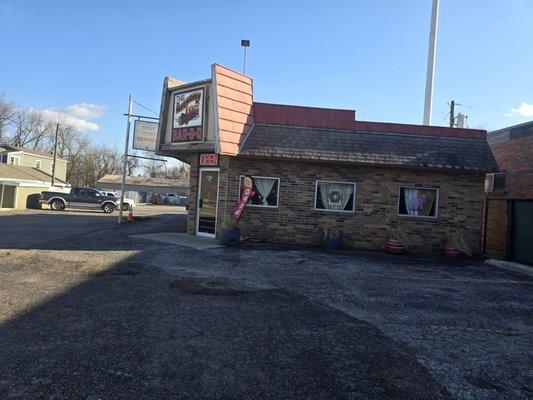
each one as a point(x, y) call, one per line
point(431, 62)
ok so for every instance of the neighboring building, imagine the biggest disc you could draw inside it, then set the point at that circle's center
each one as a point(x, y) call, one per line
point(140, 189)
point(33, 158)
point(509, 199)
point(313, 165)
point(21, 186)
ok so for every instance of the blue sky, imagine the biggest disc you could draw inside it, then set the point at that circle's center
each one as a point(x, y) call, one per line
point(85, 57)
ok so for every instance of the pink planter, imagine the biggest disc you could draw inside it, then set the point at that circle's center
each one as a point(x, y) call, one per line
point(394, 246)
point(451, 251)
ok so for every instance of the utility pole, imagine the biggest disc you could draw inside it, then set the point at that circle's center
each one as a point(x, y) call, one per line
point(125, 165)
point(55, 157)
point(431, 62)
point(452, 114)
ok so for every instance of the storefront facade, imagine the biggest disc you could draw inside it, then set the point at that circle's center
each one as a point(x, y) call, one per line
point(313, 166)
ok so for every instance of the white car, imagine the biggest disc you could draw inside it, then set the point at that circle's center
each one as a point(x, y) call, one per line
point(128, 203)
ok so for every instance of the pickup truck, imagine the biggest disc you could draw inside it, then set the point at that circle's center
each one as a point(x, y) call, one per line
point(85, 198)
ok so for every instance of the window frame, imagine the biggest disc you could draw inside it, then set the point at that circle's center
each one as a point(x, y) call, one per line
point(249, 204)
point(418, 216)
point(40, 164)
point(352, 211)
point(15, 158)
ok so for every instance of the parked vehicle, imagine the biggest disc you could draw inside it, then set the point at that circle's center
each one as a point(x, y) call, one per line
point(127, 204)
point(84, 198)
point(175, 199)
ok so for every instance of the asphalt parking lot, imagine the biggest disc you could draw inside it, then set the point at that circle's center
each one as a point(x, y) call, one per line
point(87, 312)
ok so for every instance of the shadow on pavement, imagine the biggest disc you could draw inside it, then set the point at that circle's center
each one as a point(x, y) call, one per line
point(134, 331)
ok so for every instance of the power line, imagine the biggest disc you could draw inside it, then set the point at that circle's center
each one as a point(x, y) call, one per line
point(146, 108)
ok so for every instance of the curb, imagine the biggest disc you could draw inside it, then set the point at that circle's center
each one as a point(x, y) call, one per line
point(511, 266)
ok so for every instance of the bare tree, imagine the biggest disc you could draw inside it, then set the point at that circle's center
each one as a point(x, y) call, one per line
point(155, 166)
point(6, 114)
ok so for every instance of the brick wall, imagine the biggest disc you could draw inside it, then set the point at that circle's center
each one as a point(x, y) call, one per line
point(516, 158)
point(193, 191)
point(496, 236)
point(296, 221)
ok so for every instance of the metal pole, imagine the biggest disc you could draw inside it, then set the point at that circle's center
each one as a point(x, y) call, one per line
point(431, 62)
point(125, 164)
point(244, 64)
point(55, 158)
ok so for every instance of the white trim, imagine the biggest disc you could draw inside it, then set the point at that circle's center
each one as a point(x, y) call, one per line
point(40, 164)
point(336, 211)
point(14, 158)
point(418, 216)
point(259, 205)
point(200, 170)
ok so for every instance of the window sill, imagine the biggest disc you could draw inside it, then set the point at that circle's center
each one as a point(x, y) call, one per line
point(417, 217)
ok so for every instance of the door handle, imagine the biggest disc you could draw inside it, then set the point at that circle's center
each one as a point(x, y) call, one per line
point(201, 203)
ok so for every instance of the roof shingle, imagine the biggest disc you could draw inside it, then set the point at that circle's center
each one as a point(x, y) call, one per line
point(394, 149)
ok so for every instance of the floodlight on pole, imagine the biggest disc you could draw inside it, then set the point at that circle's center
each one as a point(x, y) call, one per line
point(244, 43)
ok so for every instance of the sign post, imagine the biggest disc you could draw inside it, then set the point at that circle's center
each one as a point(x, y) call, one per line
point(144, 135)
point(125, 164)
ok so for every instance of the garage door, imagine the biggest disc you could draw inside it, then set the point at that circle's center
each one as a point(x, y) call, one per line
point(522, 231)
point(7, 196)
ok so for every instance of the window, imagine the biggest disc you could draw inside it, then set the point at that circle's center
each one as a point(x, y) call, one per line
point(266, 189)
point(418, 202)
point(335, 196)
point(38, 164)
point(14, 160)
point(93, 193)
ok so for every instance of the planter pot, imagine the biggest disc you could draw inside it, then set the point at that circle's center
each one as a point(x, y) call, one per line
point(229, 237)
point(394, 246)
point(333, 242)
point(451, 251)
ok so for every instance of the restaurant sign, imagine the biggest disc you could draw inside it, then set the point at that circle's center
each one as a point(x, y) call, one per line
point(207, 159)
point(144, 135)
point(188, 115)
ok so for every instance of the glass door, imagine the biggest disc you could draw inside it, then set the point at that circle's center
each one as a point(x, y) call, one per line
point(207, 202)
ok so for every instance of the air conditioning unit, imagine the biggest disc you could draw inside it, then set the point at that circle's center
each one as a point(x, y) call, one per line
point(495, 182)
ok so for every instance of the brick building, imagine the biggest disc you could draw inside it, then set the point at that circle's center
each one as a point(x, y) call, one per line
point(313, 165)
point(508, 223)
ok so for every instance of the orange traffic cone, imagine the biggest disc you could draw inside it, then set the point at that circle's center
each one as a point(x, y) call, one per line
point(130, 216)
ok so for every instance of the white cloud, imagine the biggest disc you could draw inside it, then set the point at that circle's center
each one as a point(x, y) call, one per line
point(79, 116)
point(86, 110)
point(525, 110)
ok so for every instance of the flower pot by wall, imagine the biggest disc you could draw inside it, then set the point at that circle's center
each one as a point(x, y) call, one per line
point(229, 237)
point(451, 251)
point(393, 246)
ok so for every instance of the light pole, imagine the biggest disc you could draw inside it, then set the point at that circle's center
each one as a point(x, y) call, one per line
point(245, 43)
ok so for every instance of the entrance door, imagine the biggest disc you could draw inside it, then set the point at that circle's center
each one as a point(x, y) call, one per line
point(206, 215)
point(522, 231)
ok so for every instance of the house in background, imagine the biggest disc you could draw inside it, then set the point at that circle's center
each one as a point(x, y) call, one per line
point(34, 159)
point(508, 222)
point(20, 186)
point(312, 166)
point(140, 189)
